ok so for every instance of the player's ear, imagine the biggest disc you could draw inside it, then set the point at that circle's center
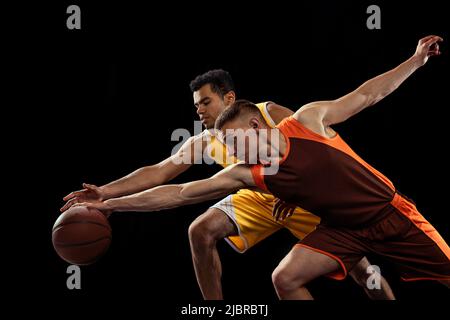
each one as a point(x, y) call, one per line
point(229, 98)
point(254, 123)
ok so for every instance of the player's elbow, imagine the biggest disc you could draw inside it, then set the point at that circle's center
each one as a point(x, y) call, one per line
point(165, 197)
point(364, 96)
point(374, 98)
point(368, 95)
point(182, 195)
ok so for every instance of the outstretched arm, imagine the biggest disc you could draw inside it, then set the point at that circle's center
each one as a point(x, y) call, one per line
point(370, 92)
point(143, 178)
point(223, 183)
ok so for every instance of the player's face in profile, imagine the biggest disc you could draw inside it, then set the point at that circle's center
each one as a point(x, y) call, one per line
point(241, 140)
point(209, 105)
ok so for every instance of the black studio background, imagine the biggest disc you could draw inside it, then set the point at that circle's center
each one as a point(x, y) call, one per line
point(105, 99)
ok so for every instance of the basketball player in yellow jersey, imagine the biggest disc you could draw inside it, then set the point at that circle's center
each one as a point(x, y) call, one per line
point(242, 219)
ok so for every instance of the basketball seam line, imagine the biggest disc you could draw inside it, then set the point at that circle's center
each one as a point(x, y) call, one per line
point(61, 244)
point(80, 221)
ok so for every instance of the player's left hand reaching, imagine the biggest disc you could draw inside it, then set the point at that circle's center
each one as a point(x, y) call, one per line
point(102, 206)
point(427, 47)
point(89, 193)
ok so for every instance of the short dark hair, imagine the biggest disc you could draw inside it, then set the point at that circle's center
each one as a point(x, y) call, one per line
point(220, 81)
point(237, 109)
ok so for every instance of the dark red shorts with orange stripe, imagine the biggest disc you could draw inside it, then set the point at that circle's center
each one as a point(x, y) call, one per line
point(404, 237)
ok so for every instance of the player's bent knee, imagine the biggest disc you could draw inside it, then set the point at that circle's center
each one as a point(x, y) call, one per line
point(283, 281)
point(200, 234)
point(208, 228)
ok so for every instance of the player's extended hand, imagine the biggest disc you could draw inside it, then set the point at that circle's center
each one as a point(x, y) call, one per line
point(427, 47)
point(88, 194)
point(282, 210)
point(102, 206)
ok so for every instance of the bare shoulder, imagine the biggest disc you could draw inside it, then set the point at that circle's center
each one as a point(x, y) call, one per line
point(311, 116)
point(310, 112)
point(278, 112)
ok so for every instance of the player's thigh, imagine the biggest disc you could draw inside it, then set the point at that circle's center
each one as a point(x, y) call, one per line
point(302, 265)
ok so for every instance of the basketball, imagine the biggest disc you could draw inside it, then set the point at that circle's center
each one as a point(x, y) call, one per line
point(81, 235)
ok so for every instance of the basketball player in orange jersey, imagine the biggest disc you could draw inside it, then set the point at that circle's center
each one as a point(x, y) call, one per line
point(242, 219)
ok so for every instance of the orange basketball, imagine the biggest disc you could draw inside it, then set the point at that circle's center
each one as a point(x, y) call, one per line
point(81, 235)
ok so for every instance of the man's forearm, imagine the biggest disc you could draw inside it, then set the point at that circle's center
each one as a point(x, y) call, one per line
point(371, 91)
point(223, 183)
point(155, 199)
point(139, 180)
point(379, 87)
